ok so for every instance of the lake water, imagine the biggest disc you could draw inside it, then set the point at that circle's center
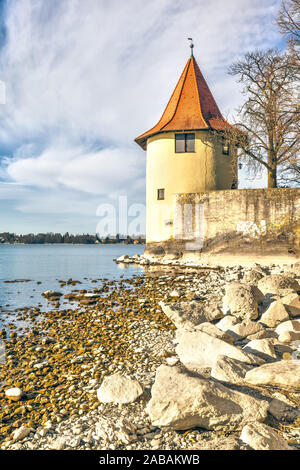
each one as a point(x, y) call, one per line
point(50, 263)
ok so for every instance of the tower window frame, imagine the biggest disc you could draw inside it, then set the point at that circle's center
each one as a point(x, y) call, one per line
point(161, 194)
point(185, 142)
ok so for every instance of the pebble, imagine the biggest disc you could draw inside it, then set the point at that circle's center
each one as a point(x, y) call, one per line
point(21, 433)
point(14, 394)
point(124, 330)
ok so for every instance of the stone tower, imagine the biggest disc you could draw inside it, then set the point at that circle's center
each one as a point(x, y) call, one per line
point(186, 152)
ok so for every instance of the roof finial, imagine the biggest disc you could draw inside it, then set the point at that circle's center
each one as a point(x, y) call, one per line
point(191, 46)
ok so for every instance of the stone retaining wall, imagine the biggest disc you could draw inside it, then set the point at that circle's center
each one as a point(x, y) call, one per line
point(246, 220)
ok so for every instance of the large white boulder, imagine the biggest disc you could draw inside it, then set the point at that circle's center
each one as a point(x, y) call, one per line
point(262, 334)
point(245, 329)
point(283, 374)
point(289, 325)
point(213, 330)
point(227, 323)
point(259, 436)
point(283, 411)
point(276, 313)
point(230, 370)
point(198, 350)
point(190, 314)
point(182, 401)
point(261, 347)
point(278, 284)
point(253, 276)
point(292, 302)
point(241, 300)
point(289, 337)
point(117, 388)
point(219, 443)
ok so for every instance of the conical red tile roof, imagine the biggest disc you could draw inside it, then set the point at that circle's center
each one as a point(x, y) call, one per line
point(191, 106)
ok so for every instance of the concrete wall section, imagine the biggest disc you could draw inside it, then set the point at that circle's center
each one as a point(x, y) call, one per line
point(231, 221)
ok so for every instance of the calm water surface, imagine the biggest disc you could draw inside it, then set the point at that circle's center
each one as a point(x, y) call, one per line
point(50, 263)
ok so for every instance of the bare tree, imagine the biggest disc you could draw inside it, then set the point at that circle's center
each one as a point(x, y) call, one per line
point(269, 118)
point(288, 21)
point(290, 173)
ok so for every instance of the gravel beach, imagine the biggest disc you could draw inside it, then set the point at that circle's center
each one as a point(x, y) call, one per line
point(58, 360)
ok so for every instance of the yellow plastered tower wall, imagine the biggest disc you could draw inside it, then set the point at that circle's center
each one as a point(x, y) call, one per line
point(206, 169)
point(186, 152)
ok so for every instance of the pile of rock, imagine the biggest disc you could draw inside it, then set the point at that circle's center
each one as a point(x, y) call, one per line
point(233, 367)
point(253, 341)
point(242, 344)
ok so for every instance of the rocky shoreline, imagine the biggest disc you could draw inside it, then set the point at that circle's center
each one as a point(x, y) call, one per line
point(178, 358)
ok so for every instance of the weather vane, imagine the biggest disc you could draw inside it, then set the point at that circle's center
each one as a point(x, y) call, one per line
point(191, 46)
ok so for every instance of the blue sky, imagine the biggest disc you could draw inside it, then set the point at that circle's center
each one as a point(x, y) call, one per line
point(84, 78)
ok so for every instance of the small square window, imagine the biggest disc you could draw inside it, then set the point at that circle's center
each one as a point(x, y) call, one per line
point(225, 148)
point(184, 143)
point(160, 194)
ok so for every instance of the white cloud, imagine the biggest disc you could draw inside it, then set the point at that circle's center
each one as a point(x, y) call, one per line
point(13, 191)
point(83, 75)
point(92, 172)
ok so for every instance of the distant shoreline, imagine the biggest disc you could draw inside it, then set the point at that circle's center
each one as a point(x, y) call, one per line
point(51, 238)
point(73, 244)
